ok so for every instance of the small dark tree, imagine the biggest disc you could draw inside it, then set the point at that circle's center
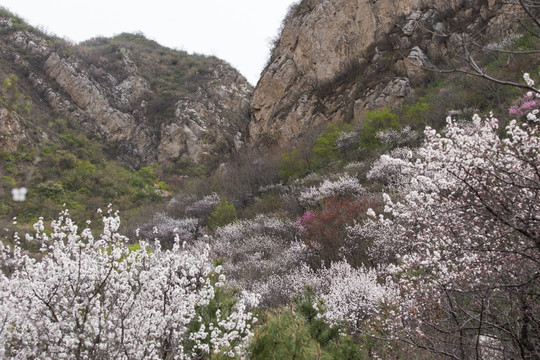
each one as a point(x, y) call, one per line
point(223, 214)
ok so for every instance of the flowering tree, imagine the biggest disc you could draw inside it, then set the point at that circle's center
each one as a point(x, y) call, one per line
point(258, 254)
point(166, 229)
point(463, 243)
point(325, 232)
point(522, 106)
point(349, 295)
point(97, 297)
point(345, 185)
point(203, 208)
point(391, 169)
point(392, 138)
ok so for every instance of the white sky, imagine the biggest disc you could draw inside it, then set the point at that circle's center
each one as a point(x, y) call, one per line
point(237, 31)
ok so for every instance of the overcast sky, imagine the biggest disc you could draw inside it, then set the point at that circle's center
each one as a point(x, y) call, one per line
point(237, 31)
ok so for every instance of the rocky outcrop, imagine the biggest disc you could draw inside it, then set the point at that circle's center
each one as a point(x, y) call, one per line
point(113, 95)
point(337, 59)
point(88, 98)
point(205, 121)
point(12, 131)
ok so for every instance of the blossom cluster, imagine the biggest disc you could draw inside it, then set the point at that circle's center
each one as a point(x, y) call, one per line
point(463, 229)
point(391, 169)
point(256, 251)
point(102, 297)
point(524, 105)
point(166, 229)
point(202, 208)
point(349, 294)
point(345, 185)
point(392, 137)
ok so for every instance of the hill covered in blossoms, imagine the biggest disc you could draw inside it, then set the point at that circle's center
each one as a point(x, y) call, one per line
point(381, 208)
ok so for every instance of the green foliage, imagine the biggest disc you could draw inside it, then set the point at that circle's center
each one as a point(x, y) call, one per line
point(293, 165)
point(186, 166)
point(526, 41)
point(284, 335)
point(415, 114)
point(376, 121)
point(333, 339)
point(301, 332)
point(10, 93)
point(18, 24)
point(73, 170)
point(223, 214)
point(310, 308)
point(324, 149)
point(325, 154)
point(266, 204)
point(11, 97)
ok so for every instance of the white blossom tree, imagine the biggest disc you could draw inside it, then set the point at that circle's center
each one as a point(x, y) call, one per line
point(462, 241)
point(164, 228)
point(259, 253)
point(349, 295)
point(345, 185)
point(87, 297)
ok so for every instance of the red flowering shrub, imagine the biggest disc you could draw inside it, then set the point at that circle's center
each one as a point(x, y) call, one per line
point(325, 231)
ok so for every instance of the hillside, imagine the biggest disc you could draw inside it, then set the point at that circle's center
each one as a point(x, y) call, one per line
point(375, 197)
point(369, 56)
point(148, 102)
point(119, 110)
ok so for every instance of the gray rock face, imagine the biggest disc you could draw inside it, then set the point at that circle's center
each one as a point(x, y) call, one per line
point(206, 124)
point(86, 95)
point(210, 121)
point(337, 59)
point(12, 131)
point(383, 95)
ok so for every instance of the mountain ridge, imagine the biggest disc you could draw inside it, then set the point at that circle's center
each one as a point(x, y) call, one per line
point(151, 102)
point(336, 60)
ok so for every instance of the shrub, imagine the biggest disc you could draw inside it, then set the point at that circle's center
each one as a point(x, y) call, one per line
point(301, 331)
point(325, 231)
point(376, 121)
point(265, 204)
point(325, 149)
point(284, 335)
point(293, 164)
point(223, 214)
point(415, 114)
point(185, 166)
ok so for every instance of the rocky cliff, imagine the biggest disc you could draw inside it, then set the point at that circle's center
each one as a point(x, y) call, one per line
point(334, 61)
point(338, 59)
point(147, 102)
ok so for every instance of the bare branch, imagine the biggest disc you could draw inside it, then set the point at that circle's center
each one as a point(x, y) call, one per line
point(528, 11)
